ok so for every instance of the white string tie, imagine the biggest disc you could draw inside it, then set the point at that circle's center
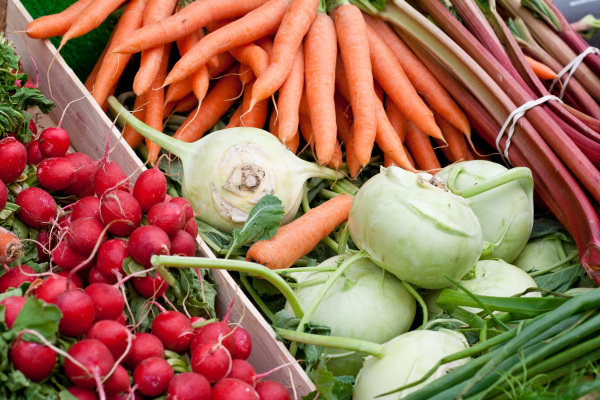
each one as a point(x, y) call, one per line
point(570, 69)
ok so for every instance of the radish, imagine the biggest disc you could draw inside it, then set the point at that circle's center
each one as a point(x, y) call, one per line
point(15, 276)
point(152, 376)
point(183, 244)
point(82, 394)
point(75, 278)
point(95, 276)
point(43, 246)
point(118, 381)
point(110, 259)
point(174, 330)
point(122, 319)
point(78, 312)
point(215, 332)
point(112, 334)
point(13, 159)
point(233, 389)
point(243, 344)
point(3, 195)
point(34, 360)
point(54, 142)
point(83, 181)
point(32, 125)
point(189, 386)
point(185, 206)
point(143, 346)
point(34, 155)
point(191, 227)
point(93, 355)
point(88, 206)
point(122, 206)
point(52, 287)
point(66, 258)
point(243, 371)
point(38, 207)
point(110, 176)
point(85, 234)
point(271, 390)
point(169, 217)
point(211, 360)
point(150, 287)
point(146, 241)
point(150, 188)
point(12, 308)
point(108, 302)
point(55, 173)
point(61, 227)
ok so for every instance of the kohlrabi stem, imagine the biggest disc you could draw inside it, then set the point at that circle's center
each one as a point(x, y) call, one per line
point(328, 194)
point(508, 176)
point(177, 147)
point(555, 265)
point(419, 300)
point(233, 265)
point(311, 282)
point(318, 171)
point(171, 281)
point(337, 342)
point(261, 304)
point(323, 292)
point(318, 268)
point(343, 186)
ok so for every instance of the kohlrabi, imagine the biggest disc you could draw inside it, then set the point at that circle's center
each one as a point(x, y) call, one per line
point(542, 252)
point(227, 172)
point(410, 225)
point(365, 302)
point(501, 198)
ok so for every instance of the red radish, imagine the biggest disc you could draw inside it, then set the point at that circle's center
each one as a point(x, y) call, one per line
point(85, 169)
point(122, 319)
point(167, 216)
point(110, 176)
point(13, 159)
point(86, 207)
point(243, 371)
point(43, 246)
point(146, 241)
point(110, 259)
point(143, 346)
point(75, 278)
point(189, 386)
point(34, 155)
point(211, 360)
point(150, 287)
point(233, 389)
point(108, 301)
point(168, 198)
point(150, 188)
point(93, 355)
point(174, 330)
point(55, 173)
point(118, 381)
point(95, 276)
point(243, 344)
point(54, 142)
point(193, 320)
point(214, 332)
point(185, 205)
point(82, 394)
point(34, 360)
point(12, 308)
point(152, 376)
point(271, 390)
point(38, 207)
point(32, 125)
point(60, 229)
point(112, 334)
point(120, 205)
point(183, 244)
point(191, 227)
point(52, 287)
point(85, 234)
point(66, 258)
point(3, 195)
point(78, 312)
point(15, 276)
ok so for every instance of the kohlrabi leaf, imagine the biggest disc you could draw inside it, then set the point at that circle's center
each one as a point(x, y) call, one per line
point(330, 387)
point(39, 316)
point(262, 223)
point(312, 353)
point(560, 281)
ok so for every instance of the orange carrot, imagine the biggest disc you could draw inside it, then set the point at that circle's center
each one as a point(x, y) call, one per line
point(456, 145)
point(91, 79)
point(253, 56)
point(199, 80)
point(419, 145)
point(113, 65)
point(299, 237)
point(354, 47)
point(90, 18)
point(234, 122)
point(226, 60)
point(290, 95)
point(10, 246)
point(246, 74)
point(337, 158)
point(188, 103)
point(155, 108)
point(294, 25)
point(131, 136)
point(267, 44)
point(293, 143)
point(320, 58)
point(257, 116)
point(191, 18)
point(343, 117)
point(395, 83)
point(256, 24)
point(56, 24)
point(178, 91)
point(398, 122)
point(306, 130)
point(541, 70)
point(352, 162)
point(215, 105)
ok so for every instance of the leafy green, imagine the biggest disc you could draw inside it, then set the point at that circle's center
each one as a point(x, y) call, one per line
point(39, 316)
point(330, 387)
point(561, 280)
point(312, 353)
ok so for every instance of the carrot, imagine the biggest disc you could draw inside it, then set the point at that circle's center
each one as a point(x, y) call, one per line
point(456, 145)
point(424, 81)
point(56, 24)
point(155, 109)
point(420, 148)
point(226, 60)
point(294, 25)
point(395, 83)
point(300, 236)
point(293, 143)
point(234, 122)
point(113, 65)
point(178, 91)
point(256, 24)
point(91, 79)
point(131, 136)
point(398, 122)
point(540, 70)
point(215, 105)
point(191, 18)
point(306, 130)
point(290, 96)
point(253, 56)
point(90, 18)
point(354, 48)
point(257, 116)
point(267, 44)
point(188, 103)
point(10, 246)
point(337, 158)
point(246, 75)
point(352, 162)
point(320, 57)
point(199, 80)
point(343, 117)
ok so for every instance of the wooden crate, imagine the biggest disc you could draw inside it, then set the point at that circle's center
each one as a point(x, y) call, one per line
point(89, 127)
